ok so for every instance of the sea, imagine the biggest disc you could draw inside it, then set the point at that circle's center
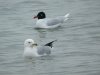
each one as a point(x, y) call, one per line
point(76, 51)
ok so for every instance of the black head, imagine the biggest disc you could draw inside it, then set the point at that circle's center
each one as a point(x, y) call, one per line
point(41, 15)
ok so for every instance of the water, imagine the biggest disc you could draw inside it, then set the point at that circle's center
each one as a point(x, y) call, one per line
point(77, 51)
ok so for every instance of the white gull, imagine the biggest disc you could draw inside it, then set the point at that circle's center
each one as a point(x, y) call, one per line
point(31, 49)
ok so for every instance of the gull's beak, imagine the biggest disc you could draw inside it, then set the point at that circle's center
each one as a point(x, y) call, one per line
point(35, 44)
point(35, 17)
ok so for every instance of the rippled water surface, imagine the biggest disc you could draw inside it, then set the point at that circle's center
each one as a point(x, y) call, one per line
point(77, 51)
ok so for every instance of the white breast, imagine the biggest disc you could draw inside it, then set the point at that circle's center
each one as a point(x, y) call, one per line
point(30, 52)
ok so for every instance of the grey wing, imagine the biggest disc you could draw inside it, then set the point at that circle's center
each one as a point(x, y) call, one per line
point(47, 50)
point(43, 50)
point(55, 21)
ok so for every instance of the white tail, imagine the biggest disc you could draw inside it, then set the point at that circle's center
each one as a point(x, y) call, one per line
point(66, 17)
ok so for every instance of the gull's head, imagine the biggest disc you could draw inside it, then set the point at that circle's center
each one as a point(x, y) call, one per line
point(40, 15)
point(29, 43)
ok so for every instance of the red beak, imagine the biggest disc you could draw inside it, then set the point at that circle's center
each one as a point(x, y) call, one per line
point(35, 17)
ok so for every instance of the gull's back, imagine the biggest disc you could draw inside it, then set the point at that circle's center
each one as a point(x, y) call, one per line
point(42, 50)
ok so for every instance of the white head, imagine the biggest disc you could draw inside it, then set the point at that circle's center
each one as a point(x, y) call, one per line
point(29, 43)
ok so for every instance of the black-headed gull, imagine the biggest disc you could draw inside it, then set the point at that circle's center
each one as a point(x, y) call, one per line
point(31, 49)
point(44, 22)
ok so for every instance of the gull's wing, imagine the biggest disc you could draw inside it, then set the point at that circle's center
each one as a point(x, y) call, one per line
point(55, 21)
point(43, 50)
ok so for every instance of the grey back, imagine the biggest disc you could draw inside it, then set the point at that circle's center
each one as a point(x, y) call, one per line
point(43, 50)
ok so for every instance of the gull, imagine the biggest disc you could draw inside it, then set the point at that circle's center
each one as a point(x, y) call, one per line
point(43, 22)
point(31, 49)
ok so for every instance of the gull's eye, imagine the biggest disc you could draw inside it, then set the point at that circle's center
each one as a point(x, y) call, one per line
point(29, 42)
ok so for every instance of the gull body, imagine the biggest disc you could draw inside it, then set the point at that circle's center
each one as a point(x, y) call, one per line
point(31, 49)
point(44, 22)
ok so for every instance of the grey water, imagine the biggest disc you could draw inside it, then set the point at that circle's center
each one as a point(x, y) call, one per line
point(77, 50)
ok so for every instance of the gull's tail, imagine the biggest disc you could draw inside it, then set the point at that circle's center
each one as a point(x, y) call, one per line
point(66, 17)
point(50, 44)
